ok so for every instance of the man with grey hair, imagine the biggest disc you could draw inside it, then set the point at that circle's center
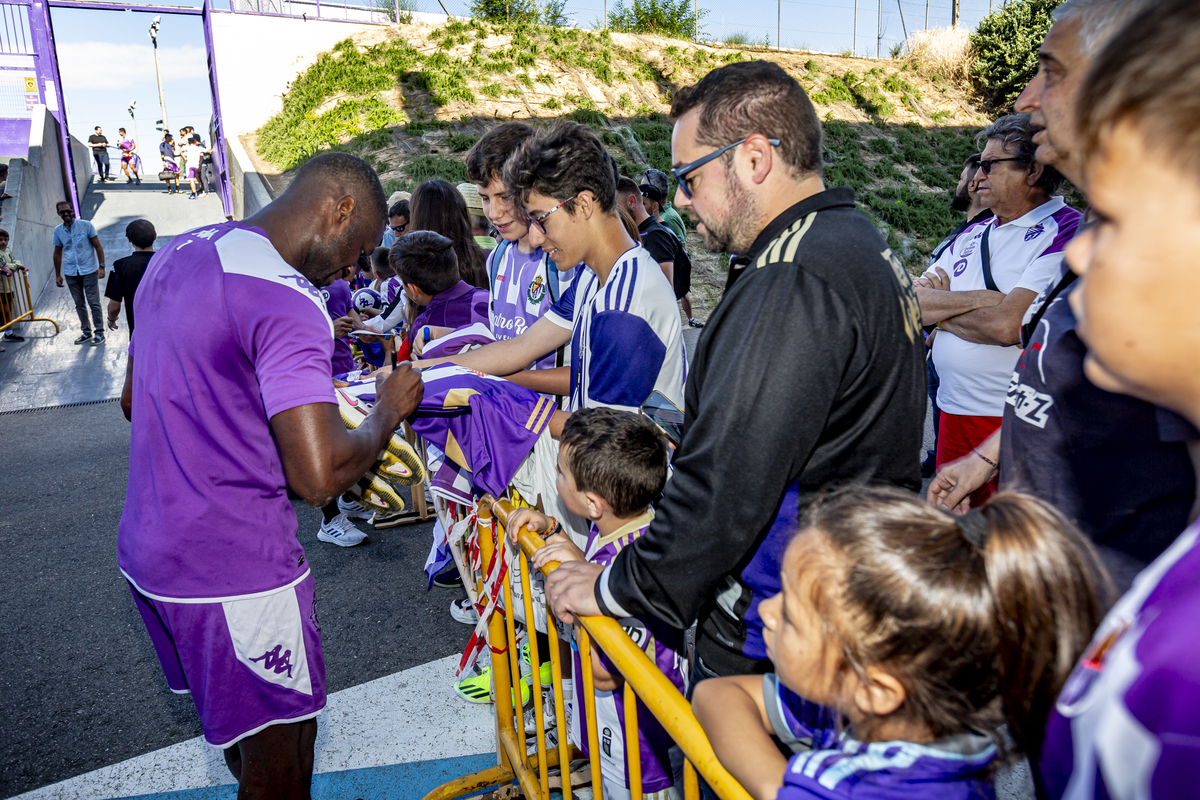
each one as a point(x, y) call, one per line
point(979, 288)
point(1117, 467)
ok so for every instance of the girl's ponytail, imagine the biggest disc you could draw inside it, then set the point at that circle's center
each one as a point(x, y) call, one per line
point(1049, 592)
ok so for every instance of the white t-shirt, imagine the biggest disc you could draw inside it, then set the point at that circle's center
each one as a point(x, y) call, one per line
point(192, 153)
point(1026, 253)
point(626, 340)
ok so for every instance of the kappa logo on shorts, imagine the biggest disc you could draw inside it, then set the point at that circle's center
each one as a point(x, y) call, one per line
point(273, 661)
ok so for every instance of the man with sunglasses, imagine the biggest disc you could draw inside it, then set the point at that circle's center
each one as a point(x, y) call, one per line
point(810, 370)
point(979, 288)
point(1116, 466)
point(79, 258)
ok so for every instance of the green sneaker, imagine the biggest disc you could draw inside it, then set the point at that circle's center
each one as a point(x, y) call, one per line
point(478, 688)
point(544, 671)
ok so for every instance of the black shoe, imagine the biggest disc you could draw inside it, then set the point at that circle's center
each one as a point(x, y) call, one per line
point(695, 323)
point(448, 578)
point(9, 336)
point(928, 466)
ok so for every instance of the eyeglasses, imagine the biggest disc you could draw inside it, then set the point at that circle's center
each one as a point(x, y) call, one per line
point(398, 228)
point(680, 172)
point(64, 211)
point(538, 221)
point(986, 164)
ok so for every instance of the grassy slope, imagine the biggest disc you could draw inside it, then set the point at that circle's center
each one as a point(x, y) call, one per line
point(412, 100)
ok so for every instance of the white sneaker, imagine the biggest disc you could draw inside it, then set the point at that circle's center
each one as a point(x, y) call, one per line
point(464, 612)
point(353, 510)
point(341, 531)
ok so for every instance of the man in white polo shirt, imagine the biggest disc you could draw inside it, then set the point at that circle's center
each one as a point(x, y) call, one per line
point(978, 290)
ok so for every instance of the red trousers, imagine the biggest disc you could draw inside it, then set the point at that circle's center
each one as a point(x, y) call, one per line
point(957, 435)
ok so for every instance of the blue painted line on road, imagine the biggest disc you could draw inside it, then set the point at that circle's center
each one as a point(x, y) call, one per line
point(410, 781)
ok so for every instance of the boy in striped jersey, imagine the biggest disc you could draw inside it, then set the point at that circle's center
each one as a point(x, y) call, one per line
point(618, 314)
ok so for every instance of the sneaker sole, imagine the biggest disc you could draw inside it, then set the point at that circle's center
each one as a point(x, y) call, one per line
point(378, 495)
point(324, 537)
point(457, 613)
point(398, 461)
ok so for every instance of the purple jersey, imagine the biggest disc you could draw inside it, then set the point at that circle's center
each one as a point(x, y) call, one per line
point(831, 764)
point(663, 646)
point(1127, 723)
point(228, 336)
point(391, 288)
point(520, 295)
point(337, 303)
point(460, 305)
point(484, 424)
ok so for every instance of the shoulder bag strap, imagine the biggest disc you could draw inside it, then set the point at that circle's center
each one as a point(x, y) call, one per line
point(985, 252)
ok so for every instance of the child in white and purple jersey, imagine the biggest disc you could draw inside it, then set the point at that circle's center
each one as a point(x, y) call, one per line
point(902, 641)
point(525, 282)
point(612, 466)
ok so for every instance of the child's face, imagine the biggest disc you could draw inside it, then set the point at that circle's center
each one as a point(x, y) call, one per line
point(575, 500)
point(3, 242)
point(498, 208)
point(1139, 298)
point(805, 659)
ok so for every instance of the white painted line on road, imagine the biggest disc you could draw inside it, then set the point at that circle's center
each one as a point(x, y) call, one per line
point(408, 716)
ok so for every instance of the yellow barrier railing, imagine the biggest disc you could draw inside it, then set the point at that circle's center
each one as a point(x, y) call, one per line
point(643, 681)
point(16, 302)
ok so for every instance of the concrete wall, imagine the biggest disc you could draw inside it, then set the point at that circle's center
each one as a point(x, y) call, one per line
point(36, 185)
point(248, 189)
point(258, 56)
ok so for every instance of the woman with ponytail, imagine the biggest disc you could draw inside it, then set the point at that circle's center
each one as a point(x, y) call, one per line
point(904, 641)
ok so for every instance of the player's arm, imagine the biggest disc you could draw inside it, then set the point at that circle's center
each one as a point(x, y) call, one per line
point(321, 458)
point(733, 713)
point(998, 324)
point(95, 240)
point(668, 268)
point(510, 355)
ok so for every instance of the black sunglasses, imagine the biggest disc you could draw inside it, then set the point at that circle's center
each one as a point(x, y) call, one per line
point(681, 172)
point(986, 164)
point(398, 228)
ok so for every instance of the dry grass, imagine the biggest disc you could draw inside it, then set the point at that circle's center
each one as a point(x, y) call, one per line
point(944, 52)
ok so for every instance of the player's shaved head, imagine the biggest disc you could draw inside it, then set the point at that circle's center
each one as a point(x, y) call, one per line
point(341, 174)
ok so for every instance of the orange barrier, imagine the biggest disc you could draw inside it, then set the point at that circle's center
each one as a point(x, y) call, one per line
point(532, 770)
point(16, 303)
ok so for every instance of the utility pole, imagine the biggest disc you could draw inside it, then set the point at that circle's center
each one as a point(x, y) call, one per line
point(779, 26)
point(954, 13)
point(879, 31)
point(695, 11)
point(926, 14)
point(903, 24)
point(854, 35)
point(162, 106)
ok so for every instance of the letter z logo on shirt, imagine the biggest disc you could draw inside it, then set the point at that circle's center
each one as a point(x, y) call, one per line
point(1028, 404)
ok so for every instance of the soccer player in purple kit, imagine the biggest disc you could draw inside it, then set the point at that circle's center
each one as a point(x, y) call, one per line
point(1127, 724)
point(231, 403)
point(611, 466)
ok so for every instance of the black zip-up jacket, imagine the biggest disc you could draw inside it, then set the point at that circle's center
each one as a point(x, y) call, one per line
point(810, 371)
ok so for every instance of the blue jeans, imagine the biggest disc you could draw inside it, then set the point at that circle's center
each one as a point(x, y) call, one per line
point(934, 382)
point(85, 291)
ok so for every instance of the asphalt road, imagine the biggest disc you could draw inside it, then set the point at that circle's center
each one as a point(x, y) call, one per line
point(80, 685)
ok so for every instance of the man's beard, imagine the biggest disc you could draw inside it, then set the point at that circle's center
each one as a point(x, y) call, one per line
point(962, 199)
point(737, 233)
point(321, 262)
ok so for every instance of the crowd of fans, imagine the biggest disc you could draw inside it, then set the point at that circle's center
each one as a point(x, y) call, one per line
point(851, 638)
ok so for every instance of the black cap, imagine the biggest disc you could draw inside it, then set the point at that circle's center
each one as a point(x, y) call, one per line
point(651, 192)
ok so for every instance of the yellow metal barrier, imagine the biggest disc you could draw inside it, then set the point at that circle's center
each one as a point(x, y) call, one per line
point(643, 681)
point(16, 303)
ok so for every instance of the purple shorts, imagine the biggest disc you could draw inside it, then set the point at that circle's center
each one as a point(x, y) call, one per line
point(249, 662)
point(193, 172)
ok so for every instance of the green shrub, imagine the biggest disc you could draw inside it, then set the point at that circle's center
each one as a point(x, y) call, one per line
point(552, 104)
point(544, 78)
point(503, 11)
point(673, 18)
point(431, 167)
point(492, 90)
point(554, 14)
point(1006, 44)
point(525, 80)
point(588, 116)
point(731, 58)
point(881, 145)
point(651, 131)
point(461, 142)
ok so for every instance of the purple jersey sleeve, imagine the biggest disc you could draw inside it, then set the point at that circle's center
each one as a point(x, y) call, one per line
point(289, 345)
point(564, 309)
point(800, 724)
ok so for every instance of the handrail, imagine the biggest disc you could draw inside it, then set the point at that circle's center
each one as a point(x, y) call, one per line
point(653, 688)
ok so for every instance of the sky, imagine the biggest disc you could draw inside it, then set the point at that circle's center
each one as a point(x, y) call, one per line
point(107, 61)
